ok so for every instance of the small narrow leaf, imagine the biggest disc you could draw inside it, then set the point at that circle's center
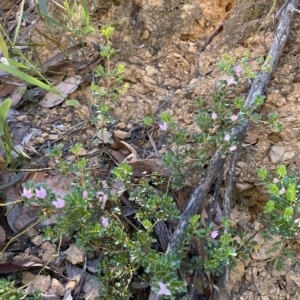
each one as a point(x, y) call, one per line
point(28, 78)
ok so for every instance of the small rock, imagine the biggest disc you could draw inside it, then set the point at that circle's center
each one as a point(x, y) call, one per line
point(263, 252)
point(121, 134)
point(53, 137)
point(121, 125)
point(40, 282)
point(82, 152)
point(75, 254)
point(27, 256)
point(265, 298)
point(71, 158)
point(244, 186)
point(45, 135)
point(40, 140)
point(56, 288)
point(279, 154)
point(37, 240)
point(72, 284)
point(251, 138)
point(47, 250)
point(21, 118)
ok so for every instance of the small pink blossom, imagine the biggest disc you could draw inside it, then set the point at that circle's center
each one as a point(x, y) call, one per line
point(104, 184)
point(230, 81)
point(27, 193)
point(41, 193)
point(275, 180)
point(163, 289)
point(102, 198)
point(214, 116)
point(163, 126)
point(232, 148)
point(227, 138)
point(234, 118)
point(282, 191)
point(214, 234)
point(84, 194)
point(238, 71)
point(59, 203)
point(104, 222)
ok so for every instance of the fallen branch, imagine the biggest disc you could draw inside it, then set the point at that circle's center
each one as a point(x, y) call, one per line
point(259, 86)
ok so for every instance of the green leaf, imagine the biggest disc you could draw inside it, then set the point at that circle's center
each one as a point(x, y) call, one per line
point(43, 6)
point(4, 107)
point(281, 170)
point(56, 22)
point(74, 103)
point(20, 19)
point(262, 173)
point(3, 46)
point(85, 13)
point(28, 78)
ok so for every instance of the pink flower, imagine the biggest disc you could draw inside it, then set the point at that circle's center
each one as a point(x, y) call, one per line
point(227, 138)
point(214, 115)
point(163, 289)
point(282, 191)
point(275, 180)
point(232, 148)
point(84, 194)
point(238, 71)
point(234, 118)
point(27, 193)
point(104, 222)
point(214, 234)
point(41, 193)
point(59, 203)
point(163, 126)
point(102, 198)
point(230, 81)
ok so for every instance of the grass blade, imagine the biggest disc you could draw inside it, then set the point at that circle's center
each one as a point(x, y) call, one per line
point(28, 78)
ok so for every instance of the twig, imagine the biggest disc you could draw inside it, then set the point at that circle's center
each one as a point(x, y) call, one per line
point(258, 88)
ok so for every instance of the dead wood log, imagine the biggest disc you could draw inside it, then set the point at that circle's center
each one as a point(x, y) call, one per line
point(259, 87)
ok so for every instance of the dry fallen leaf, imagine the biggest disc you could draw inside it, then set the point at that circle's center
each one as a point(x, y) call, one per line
point(65, 88)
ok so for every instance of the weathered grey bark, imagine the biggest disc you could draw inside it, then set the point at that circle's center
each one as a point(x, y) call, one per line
point(258, 87)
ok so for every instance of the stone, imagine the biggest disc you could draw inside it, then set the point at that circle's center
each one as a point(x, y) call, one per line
point(37, 240)
point(39, 282)
point(244, 186)
point(21, 118)
point(47, 251)
point(122, 134)
point(56, 288)
point(251, 138)
point(75, 254)
point(279, 154)
point(82, 152)
point(53, 137)
point(121, 125)
point(73, 283)
point(262, 252)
